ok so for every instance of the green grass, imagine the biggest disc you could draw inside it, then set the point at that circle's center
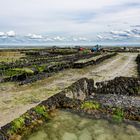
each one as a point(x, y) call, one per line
point(41, 110)
point(40, 68)
point(17, 124)
point(10, 73)
point(10, 56)
point(118, 115)
point(17, 71)
point(26, 70)
point(90, 105)
point(137, 89)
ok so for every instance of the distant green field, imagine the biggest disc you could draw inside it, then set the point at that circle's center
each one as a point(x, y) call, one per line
point(10, 56)
point(16, 71)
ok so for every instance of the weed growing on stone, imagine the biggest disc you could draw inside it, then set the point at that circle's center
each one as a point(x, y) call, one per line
point(41, 110)
point(90, 105)
point(17, 124)
point(118, 115)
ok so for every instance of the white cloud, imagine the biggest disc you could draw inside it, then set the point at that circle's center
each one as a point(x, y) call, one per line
point(11, 33)
point(129, 33)
point(58, 38)
point(83, 39)
point(2, 34)
point(121, 33)
point(100, 36)
point(117, 32)
point(49, 39)
point(34, 36)
point(74, 39)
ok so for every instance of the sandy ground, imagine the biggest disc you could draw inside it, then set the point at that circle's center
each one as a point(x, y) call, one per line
point(15, 100)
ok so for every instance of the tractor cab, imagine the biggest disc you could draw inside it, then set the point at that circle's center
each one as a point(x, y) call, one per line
point(95, 49)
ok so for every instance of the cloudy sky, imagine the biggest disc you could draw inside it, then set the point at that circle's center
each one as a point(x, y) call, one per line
point(69, 21)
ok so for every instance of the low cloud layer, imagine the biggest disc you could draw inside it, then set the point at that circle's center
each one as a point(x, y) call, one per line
point(12, 37)
point(132, 34)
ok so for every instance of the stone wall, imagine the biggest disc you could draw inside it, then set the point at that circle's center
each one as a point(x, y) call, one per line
point(138, 62)
point(120, 85)
point(93, 62)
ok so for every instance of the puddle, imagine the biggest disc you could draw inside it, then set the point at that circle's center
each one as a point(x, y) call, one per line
point(69, 126)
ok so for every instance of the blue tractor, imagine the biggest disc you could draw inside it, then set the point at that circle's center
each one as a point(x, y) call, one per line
point(95, 49)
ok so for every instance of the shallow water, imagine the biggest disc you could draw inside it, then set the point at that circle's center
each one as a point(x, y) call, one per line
point(69, 126)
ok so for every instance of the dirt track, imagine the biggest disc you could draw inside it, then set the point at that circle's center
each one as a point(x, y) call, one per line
point(15, 100)
point(121, 65)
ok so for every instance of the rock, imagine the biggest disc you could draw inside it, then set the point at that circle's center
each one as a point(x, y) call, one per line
point(80, 89)
point(83, 123)
point(41, 135)
point(104, 137)
point(69, 136)
point(98, 131)
point(131, 130)
point(85, 135)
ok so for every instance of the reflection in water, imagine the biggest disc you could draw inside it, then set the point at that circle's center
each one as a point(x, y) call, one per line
point(68, 126)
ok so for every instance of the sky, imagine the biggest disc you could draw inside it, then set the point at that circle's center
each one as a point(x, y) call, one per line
point(70, 22)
